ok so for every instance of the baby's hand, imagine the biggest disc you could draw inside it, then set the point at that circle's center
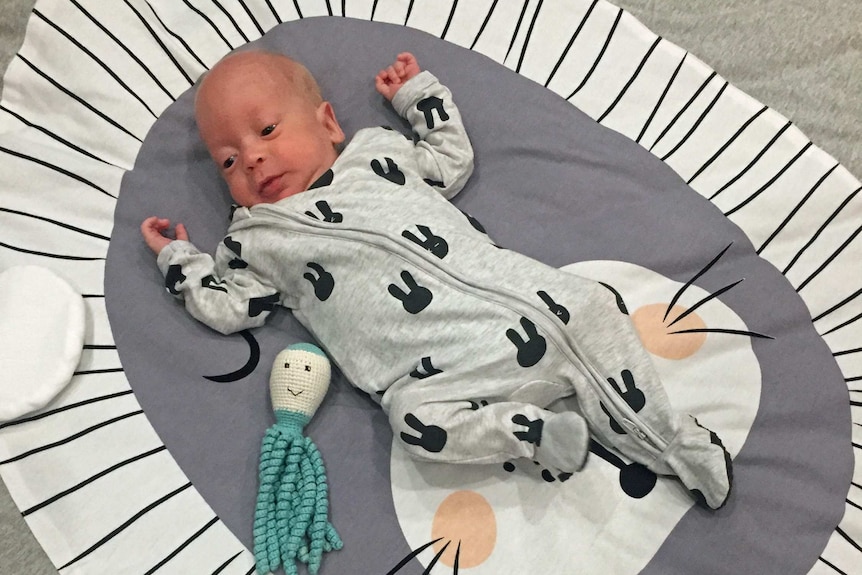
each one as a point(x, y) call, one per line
point(390, 80)
point(153, 229)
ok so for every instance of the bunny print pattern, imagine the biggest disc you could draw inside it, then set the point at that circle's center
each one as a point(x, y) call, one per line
point(387, 275)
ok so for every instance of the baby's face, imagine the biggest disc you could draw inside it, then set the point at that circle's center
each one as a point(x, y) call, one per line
point(269, 139)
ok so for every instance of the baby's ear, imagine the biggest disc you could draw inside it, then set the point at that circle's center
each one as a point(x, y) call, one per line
point(326, 117)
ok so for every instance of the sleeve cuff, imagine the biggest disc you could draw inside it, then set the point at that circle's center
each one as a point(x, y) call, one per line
point(169, 251)
point(413, 90)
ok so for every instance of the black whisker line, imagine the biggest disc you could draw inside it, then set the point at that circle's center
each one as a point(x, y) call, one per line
point(75, 97)
point(93, 346)
point(836, 569)
point(126, 524)
point(54, 136)
point(183, 545)
point(839, 305)
point(91, 479)
point(845, 324)
point(176, 37)
point(830, 259)
point(727, 144)
point(457, 559)
point(231, 19)
point(822, 227)
point(528, 36)
point(449, 19)
point(661, 98)
point(124, 47)
point(771, 181)
point(94, 371)
point(796, 209)
point(57, 223)
point(599, 57)
point(257, 24)
point(373, 10)
point(847, 352)
point(517, 29)
point(849, 539)
point(65, 408)
point(57, 169)
point(328, 8)
point(436, 558)
point(409, 11)
point(47, 255)
point(631, 80)
point(92, 295)
point(210, 22)
point(484, 23)
point(343, 8)
point(726, 331)
point(71, 437)
point(853, 379)
point(683, 109)
point(704, 300)
point(298, 11)
point(697, 123)
point(224, 565)
point(571, 42)
point(412, 555)
point(98, 61)
point(705, 269)
point(753, 162)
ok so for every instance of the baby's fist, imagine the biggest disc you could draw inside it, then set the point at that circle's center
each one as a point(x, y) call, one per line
point(389, 80)
point(154, 229)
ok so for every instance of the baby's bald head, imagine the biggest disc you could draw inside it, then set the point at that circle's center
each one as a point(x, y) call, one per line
point(240, 67)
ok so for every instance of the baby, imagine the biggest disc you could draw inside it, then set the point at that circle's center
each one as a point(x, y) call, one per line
point(464, 344)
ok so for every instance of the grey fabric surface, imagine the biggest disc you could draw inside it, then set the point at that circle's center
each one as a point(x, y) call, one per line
point(802, 59)
point(619, 203)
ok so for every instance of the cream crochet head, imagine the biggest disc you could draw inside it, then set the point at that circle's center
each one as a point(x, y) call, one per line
point(299, 379)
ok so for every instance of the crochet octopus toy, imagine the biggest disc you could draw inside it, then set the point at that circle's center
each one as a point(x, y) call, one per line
point(291, 516)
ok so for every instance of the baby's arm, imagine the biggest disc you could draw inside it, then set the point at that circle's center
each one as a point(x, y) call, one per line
point(444, 153)
point(227, 298)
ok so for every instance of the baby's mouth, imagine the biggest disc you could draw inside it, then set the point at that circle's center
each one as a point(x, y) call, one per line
point(270, 186)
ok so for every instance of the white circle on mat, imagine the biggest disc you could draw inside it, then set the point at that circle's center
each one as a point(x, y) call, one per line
point(41, 338)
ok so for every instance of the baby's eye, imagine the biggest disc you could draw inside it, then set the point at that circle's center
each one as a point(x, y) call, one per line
point(268, 130)
point(229, 162)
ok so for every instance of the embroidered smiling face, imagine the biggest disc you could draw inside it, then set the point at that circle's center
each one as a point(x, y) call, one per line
point(266, 126)
point(299, 379)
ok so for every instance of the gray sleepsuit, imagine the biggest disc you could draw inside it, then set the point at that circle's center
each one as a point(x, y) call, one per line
point(463, 343)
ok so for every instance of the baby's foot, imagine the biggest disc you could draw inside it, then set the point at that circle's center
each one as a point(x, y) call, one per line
point(697, 456)
point(565, 442)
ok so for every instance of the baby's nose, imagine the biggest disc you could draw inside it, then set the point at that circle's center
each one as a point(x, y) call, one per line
point(254, 156)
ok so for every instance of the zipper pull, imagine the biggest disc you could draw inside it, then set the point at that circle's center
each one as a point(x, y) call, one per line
point(636, 430)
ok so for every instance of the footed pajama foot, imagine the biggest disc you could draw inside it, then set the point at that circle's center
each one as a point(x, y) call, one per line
point(697, 456)
point(564, 443)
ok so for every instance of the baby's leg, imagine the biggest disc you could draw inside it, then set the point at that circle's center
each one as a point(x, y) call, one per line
point(432, 425)
point(622, 397)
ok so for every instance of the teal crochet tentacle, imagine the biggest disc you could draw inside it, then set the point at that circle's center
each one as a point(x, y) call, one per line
point(291, 517)
point(273, 447)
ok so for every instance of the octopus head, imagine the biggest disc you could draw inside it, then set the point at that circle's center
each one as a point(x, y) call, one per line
point(299, 379)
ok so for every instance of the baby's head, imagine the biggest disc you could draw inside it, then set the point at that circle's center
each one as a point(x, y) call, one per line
point(266, 125)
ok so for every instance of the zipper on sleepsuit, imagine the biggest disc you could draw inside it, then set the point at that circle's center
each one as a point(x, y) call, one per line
point(624, 413)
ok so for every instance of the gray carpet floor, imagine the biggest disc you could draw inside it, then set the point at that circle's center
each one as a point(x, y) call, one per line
point(801, 58)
